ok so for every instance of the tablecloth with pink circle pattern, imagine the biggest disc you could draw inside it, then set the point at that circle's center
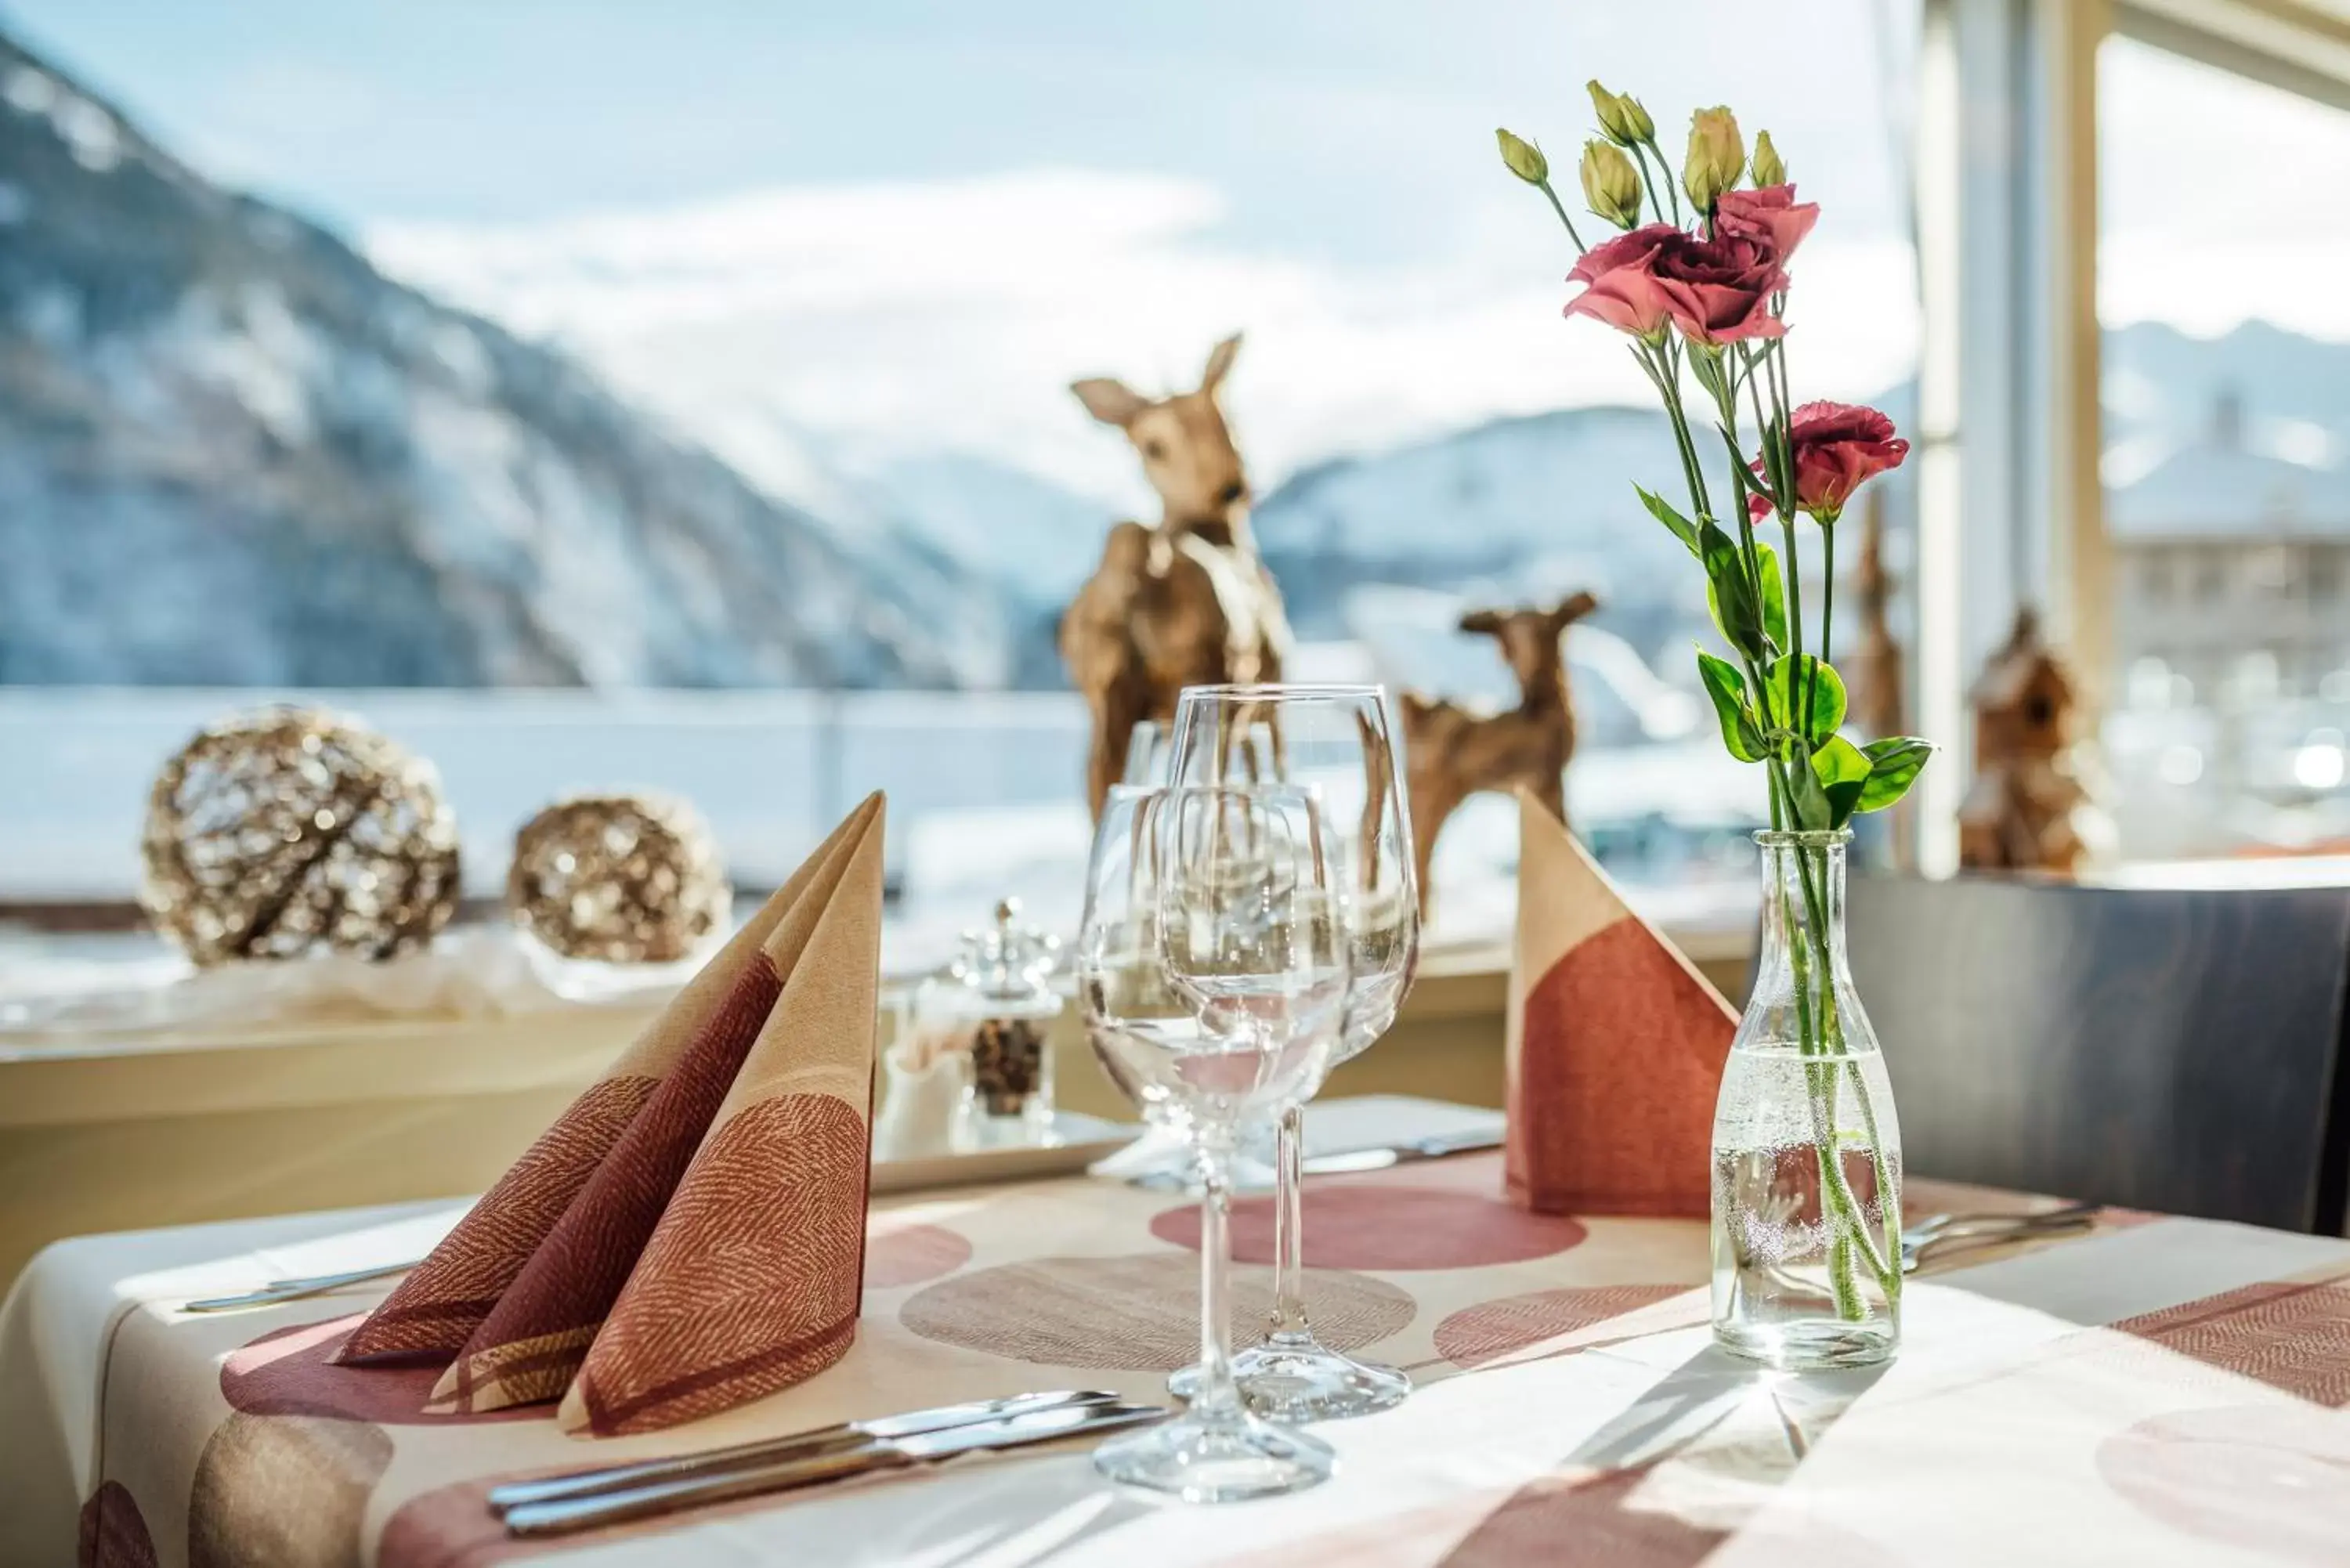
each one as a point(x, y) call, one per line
point(2157, 1391)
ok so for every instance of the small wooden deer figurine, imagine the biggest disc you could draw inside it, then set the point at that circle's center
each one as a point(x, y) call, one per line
point(1185, 603)
point(1451, 753)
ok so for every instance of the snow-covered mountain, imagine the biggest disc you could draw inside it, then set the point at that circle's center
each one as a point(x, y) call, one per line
point(231, 451)
point(1518, 507)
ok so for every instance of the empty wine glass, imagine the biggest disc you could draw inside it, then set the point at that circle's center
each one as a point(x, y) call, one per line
point(1212, 971)
point(1337, 740)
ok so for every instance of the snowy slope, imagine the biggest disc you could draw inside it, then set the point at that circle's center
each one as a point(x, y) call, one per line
point(231, 451)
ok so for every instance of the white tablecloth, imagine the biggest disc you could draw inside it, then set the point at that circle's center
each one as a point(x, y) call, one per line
point(2161, 1391)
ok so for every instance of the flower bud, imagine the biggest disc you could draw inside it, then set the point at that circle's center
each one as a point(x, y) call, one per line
point(1525, 158)
point(1611, 185)
point(1717, 157)
point(1621, 118)
point(1765, 165)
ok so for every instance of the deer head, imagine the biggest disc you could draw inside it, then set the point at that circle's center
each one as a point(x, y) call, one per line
point(1529, 639)
point(1187, 449)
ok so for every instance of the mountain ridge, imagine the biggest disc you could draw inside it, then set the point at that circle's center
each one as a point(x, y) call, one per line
point(207, 400)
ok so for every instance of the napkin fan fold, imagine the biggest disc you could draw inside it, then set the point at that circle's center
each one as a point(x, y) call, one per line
point(691, 1232)
point(1615, 1045)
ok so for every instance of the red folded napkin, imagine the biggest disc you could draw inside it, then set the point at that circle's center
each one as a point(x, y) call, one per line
point(1615, 1045)
point(710, 1248)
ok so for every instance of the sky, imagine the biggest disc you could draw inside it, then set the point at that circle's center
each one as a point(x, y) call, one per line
point(851, 232)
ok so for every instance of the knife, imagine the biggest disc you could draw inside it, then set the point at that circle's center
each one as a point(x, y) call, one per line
point(278, 1290)
point(1342, 1162)
point(566, 1515)
point(1402, 1152)
point(794, 1445)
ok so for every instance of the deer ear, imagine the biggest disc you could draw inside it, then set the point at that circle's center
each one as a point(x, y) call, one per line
point(1111, 401)
point(1220, 362)
point(1573, 609)
point(1485, 620)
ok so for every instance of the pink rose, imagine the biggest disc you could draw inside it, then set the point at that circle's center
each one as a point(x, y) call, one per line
point(1621, 290)
point(1838, 447)
point(1716, 289)
point(1719, 289)
point(1771, 214)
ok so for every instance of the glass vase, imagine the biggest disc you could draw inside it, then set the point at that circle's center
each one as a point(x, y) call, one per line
point(1807, 1149)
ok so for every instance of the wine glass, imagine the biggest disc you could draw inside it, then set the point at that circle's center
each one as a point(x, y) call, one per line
point(1213, 971)
point(1337, 740)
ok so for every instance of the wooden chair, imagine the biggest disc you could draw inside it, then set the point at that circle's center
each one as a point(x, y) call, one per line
point(2173, 1049)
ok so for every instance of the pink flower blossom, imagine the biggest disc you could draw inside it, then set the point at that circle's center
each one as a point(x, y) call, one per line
point(1715, 288)
point(1771, 214)
point(1622, 289)
point(1838, 447)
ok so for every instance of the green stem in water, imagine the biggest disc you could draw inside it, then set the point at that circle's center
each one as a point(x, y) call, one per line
point(1822, 1036)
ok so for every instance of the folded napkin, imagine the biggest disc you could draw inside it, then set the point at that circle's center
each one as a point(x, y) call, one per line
point(691, 1233)
point(1615, 1045)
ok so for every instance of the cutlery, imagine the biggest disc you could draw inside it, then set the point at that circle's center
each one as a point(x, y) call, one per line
point(564, 1515)
point(1940, 1234)
point(277, 1291)
point(794, 1445)
point(1404, 1151)
point(1180, 1176)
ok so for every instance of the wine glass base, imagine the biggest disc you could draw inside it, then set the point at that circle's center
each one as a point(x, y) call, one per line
point(1294, 1379)
point(1229, 1458)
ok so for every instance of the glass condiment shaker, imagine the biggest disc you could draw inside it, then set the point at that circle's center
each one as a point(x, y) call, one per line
point(996, 1006)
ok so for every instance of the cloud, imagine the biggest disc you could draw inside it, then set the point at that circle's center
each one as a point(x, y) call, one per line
point(888, 318)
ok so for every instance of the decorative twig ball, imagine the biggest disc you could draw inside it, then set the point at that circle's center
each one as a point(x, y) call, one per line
point(626, 878)
point(278, 832)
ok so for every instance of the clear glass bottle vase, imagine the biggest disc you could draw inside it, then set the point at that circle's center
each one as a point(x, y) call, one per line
point(1807, 1149)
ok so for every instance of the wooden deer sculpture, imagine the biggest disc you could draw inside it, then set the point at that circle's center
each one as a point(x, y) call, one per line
point(1185, 602)
point(1451, 753)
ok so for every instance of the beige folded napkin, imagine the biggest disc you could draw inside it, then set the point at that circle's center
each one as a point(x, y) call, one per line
point(1615, 1045)
point(709, 1249)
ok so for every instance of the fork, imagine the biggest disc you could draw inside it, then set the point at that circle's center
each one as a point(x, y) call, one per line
point(277, 1291)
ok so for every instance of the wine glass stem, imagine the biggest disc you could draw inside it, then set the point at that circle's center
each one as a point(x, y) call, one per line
point(1289, 1227)
point(1217, 1394)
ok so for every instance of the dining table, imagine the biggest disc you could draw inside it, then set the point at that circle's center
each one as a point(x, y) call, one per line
point(2147, 1389)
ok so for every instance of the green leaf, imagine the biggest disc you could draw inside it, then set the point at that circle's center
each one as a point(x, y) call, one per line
point(1662, 511)
point(1728, 592)
point(1792, 681)
point(1740, 732)
point(1805, 794)
point(1747, 483)
point(1774, 595)
point(1894, 764)
point(1843, 770)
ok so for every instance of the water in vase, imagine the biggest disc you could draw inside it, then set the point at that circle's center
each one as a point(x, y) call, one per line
point(1802, 1251)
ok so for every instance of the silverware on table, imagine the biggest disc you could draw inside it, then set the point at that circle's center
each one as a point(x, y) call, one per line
point(1938, 1235)
point(277, 1291)
point(791, 1445)
point(564, 1515)
point(1379, 1157)
point(1341, 1162)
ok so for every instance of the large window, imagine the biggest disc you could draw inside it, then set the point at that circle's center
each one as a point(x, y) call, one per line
point(2227, 415)
point(502, 371)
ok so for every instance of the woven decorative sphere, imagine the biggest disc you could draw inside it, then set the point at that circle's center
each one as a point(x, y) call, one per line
point(278, 832)
point(626, 878)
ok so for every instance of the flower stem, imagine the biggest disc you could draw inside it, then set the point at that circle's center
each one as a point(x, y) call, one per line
point(1556, 206)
